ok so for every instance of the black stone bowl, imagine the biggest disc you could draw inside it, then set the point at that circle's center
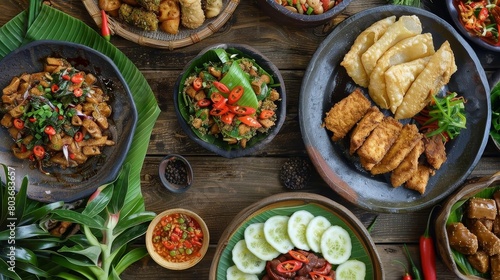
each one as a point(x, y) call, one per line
point(72, 183)
point(217, 145)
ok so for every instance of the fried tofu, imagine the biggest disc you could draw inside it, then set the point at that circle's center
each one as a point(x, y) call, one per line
point(408, 166)
point(344, 115)
point(435, 152)
point(480, 261)
point(407, 139)
point(418, 180)
point(487, 240)
point(365, 126)
point(380, 140)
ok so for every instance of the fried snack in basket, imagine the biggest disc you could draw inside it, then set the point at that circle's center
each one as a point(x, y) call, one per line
point(213, 8)
point(169, 15)
point(352, 60)
point(192, 13)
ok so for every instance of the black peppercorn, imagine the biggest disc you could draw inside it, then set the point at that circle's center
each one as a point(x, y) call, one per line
point(175, 172)
point(295, 173)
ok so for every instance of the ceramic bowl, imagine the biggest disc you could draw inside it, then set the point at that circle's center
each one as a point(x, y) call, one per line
point(455, 16)
point(172, 164)
point(288, 18)
point(181, 265)
point(451, 211)
point(72, 183)
point(217, 144)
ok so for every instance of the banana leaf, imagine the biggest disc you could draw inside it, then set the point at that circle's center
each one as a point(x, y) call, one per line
point(495, 113)
point(47, 23)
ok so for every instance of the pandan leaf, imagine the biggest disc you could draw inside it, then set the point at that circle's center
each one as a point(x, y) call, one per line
point(4, 267)
point(90, 252)
point(40, 243)
point(114, 275)
point(132, 221)
point(135, 205)
point(25, 255)
point(23, 232)
point(119, 191)
point(495, 113)
point(131, 257)
point(128, 235)
point(21, 198)
point(33, 269)
point(75, 217)
point(40, 213)
point(99, 203)
point(83, 269)
point(68, 276)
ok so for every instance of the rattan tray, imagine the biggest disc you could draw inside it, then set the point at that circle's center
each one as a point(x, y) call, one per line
point(160, 39)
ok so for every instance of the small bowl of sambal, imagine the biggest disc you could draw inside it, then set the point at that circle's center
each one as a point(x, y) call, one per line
point(177, 239)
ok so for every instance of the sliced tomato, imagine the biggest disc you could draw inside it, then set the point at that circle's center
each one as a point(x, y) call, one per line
point(289, 266)
point(197, 83)
point(221, 87)
point(298, 256)
point(39, 151)
point(227, 118)
point(235, 94)
point(241, 110)
point(219, 111)
point(266, 114)
point(169, 245)
point(204, 102)
point(250, 121)
point(216, 97)
point(18, 123)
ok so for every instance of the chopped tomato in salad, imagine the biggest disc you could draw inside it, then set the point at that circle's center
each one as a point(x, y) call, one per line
point(480, 18)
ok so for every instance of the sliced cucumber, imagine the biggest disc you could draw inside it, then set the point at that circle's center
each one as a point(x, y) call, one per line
point(276, 233)
point(245, 260)
point(297, 225)
point(315, 230)
point(351, 270)
point(257, 243)
point(233, 273)
point(336, 245)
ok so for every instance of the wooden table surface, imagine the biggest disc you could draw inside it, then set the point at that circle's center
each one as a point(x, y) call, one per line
point(222, 187)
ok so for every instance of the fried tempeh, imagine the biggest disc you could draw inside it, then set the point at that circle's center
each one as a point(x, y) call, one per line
point(346, 113)
point(487, 240)
point(365, 126)
point(461, 239)
point(407, 139)
point(480, 261)
point(380, 140)
point(479, 208)
point(435, 151)
point(408, 166)
point(418, 181)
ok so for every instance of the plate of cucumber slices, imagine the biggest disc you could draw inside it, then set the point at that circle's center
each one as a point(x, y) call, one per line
point(296, 232)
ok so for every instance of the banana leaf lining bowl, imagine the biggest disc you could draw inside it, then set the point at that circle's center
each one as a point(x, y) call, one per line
point(217, 144)
point(78, 182)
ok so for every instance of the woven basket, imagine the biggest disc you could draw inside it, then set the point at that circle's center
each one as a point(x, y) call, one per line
point(160, 39)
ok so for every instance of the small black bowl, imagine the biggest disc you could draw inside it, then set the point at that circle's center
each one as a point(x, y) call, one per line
point(283, 16)
point(454, 14)
point(176, 183)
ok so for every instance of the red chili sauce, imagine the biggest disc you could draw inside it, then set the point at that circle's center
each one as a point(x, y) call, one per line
point(178, 238)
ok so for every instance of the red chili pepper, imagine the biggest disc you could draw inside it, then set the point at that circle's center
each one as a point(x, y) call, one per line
point(221, 87)
point(54, 88)
point(483, 14)
point(266, 114)
point(227, 118)
point(72, 156)
point(324, 270)
point(317, 276)
point(104, 26)
point(326, 5)
point(18, 123)
point(216, 97)
point(197, 83)
point(49, 130)
point(220, 104)
point(78, 92)
point(77, 78)
point(241, 110)
point(66, 77)
point(289, 266)
point(204, 102)
point(235, 94)
point(78, 136)
point(427, 253)
point(219, 112)
point(250, 121)
point(298, 256)
point(32, 119)
point(39, 151)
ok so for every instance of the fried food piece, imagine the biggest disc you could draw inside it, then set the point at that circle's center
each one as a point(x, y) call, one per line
point(408, 49)
point(487, 240)
point(435, 151)
point(461, 239)
point(481, 208)
point(138, 17)
point(480, 261)
point(213, 8)
point(352, 60)
point(149, 5)
point(398, 79)
point(364, 127)
point(346, 113)
point(110, 6)
point(404, 27)
point(192, 13)
point(495, 267)
point(380, 140)
point(408, 166)
point(169, 16)
point(408, 138)
point(418, 181)
point(436, 74)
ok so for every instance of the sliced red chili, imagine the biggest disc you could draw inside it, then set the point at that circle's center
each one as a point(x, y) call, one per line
point(32, 119)
point(66, 77)
point(72, 156)
point(77, 78)
point(204, 102)
point(216, 97)
point(219, 111)
point(242, 110)
point(220, 104)
point(289, 266)
point(39, 151)
point(49, 130)
point(317, 276)
point(298, 256)
point(78, 92)
point(266, 114)
point(252, 122)
point(18, 123)
point(326, 5)
point(483, 14)
point(54, 88)
point(78, 136)
point(197, 83)
point(235, 94)
point(227, 118)
point(324, 270)
point(221, 87)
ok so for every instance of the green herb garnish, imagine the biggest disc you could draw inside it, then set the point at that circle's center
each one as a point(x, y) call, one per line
point(495, 113)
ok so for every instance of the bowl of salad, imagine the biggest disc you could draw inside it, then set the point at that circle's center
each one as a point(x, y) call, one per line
point(495, 108)
point(231, 100)
point(478, 21)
